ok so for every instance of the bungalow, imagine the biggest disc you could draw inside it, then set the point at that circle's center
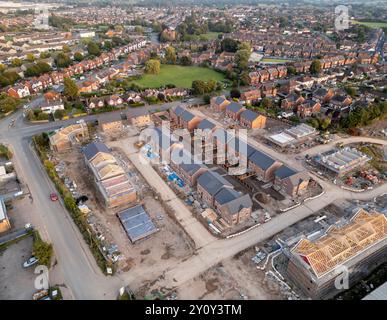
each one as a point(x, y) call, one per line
point(93, 103)
point(290, 182)
point(234, 207)
point(219, 103)
point(263, 166)
point(252, 120)
point(234, 110)
point(114, 100)
point(308, 108)
point(132, 97)
point(175, 92)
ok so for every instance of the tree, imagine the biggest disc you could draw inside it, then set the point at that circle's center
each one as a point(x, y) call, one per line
point(42, 250)
point(186, 61)
point(315, 67)
point(351, 91)
point(59, 114)
point(242, 59)
point(66, 48)
point(170, 55)
point(7, 103)
point(17, 62)
point(2, 67)
point(235, 93)
point(62, 60)
point(266, 103)
point(152, 66)
point(93, 49)
point(291, 70)
point(78, 56)
point(70, 89)
point(139, 29)
point(244, 46)
point(30, 57)
point(229, 45)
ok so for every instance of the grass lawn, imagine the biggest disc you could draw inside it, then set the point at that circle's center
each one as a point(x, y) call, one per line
point(272, 60)
point(211, 35)
point(180, 76)
point(371, 24)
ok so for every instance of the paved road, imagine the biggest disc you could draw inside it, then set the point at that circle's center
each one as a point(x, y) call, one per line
point(75, 261)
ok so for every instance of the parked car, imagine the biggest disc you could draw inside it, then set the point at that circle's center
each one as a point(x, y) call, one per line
point(30, 262)
point(53, 196)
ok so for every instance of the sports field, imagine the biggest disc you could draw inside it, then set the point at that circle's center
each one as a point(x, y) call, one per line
point(376, 24)
point(273, 60)
point(180, 76)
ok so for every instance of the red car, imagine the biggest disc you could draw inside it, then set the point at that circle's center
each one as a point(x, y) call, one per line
point(53, 196)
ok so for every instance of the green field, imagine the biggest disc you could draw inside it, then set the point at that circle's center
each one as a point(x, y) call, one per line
point(272, 60)
point(211, 35)
point(371, 24)
point(180, 76)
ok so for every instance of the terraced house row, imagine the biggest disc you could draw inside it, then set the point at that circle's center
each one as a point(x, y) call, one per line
point(32, 86)
point(230, 151)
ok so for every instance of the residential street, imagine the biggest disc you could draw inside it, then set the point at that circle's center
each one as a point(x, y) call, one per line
point(75, 262)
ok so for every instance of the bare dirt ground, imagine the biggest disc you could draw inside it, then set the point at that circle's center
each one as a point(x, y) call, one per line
point(233, 279)
point(169, 245)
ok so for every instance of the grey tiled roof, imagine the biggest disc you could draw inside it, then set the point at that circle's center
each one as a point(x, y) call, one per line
point(249, 115)
point(212, 182)
point(234, 201)
point(261, 160)
point(206, 124)
point(191, 168)
point(234, 107)
point(284, 172)
point(92, 149)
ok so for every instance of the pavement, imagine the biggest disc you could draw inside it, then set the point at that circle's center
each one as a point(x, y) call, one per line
point(76, 265)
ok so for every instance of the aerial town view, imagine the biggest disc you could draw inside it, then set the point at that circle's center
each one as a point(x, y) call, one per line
point(193, 150)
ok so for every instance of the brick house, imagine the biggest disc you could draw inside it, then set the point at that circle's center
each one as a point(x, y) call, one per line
point(234, 207)
point(250, 96)
point(234, 110)
point(263, 165)
point(290, 182)
point(252, 120)
point(219, 103)
point(308, 108)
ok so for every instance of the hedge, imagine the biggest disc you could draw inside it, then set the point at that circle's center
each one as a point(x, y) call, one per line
point(70, 204)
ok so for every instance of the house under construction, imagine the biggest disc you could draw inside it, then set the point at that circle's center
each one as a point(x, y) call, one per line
point(64, 138)
point(354, 248)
